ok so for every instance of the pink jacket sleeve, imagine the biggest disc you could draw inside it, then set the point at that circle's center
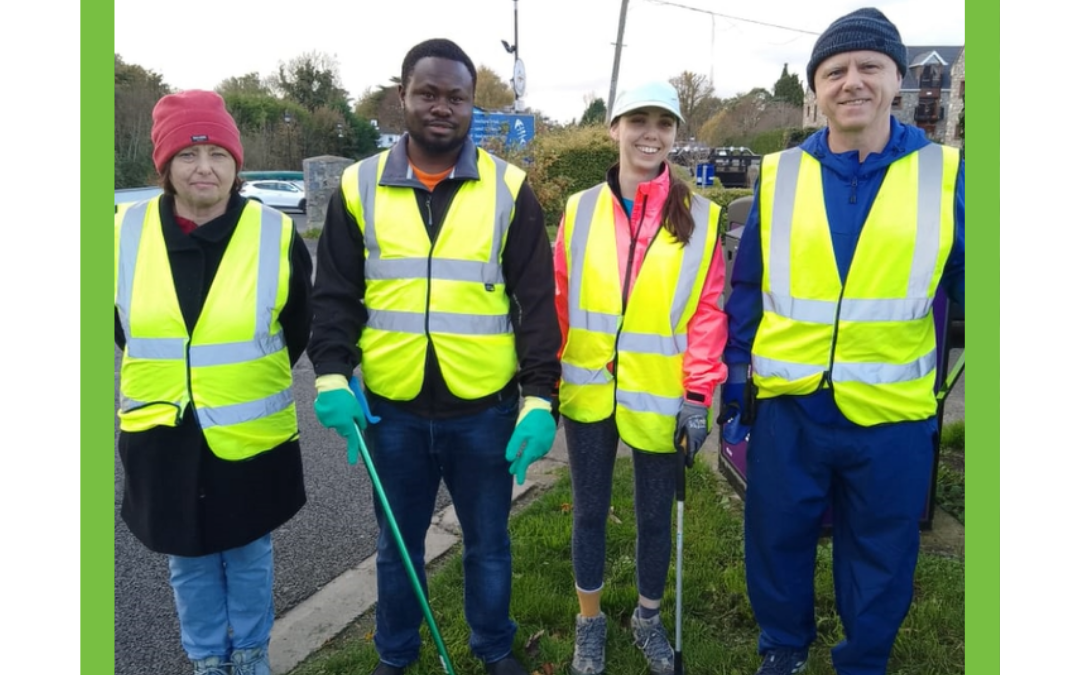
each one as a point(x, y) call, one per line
point(706, 336)
point(561, 285)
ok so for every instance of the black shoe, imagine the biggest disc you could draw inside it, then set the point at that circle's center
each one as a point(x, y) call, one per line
point(507, 666)
point(385, 669)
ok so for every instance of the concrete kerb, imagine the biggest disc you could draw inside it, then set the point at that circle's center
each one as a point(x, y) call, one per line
point(310, 625)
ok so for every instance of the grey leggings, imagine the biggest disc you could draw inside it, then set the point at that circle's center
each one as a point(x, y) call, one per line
point(592, 447)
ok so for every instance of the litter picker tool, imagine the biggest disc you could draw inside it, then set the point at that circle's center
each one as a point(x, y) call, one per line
point(402, 549)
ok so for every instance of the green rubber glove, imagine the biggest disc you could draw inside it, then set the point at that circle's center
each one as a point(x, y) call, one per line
point(533, 436)
point(338, 408)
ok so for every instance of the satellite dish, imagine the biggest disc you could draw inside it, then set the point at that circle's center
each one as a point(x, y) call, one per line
point(519, 78)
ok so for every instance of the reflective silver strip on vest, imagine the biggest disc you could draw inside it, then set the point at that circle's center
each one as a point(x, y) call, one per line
point(644, 343)
point(787, 370)
point(649, 403)
point(244, 412)
point(885, 373)
point(127, 404)
point(131, 229)
point(267, 275)
point(367, 177)
point(928, 231)
point(919, 302)
point(693, 253)
point(504, 206)
point(438, 322)
point(594, 322)
point(417, 268)
point(868, 373)
point(577, 375)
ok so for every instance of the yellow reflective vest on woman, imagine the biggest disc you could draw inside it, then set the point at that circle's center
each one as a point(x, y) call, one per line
point(450, 291)
point(234, 366)
point(647, 340)
point(872, 339)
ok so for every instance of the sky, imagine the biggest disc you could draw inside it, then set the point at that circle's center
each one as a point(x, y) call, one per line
point(567, 46)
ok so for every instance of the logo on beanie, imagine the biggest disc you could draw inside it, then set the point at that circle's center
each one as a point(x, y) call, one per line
point(201, 138)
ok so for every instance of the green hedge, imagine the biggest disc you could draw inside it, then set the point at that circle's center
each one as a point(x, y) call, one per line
point(565, 161)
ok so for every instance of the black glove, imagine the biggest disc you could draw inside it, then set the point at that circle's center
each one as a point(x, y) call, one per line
point(555, 406)
point(693, 425)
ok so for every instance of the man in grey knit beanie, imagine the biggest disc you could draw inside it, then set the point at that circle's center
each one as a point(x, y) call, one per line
point(833, 357)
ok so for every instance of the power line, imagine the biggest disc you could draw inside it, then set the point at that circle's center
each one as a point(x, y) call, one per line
point(733, 18)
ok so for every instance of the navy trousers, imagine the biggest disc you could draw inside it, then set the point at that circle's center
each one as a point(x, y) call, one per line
point(876, 479)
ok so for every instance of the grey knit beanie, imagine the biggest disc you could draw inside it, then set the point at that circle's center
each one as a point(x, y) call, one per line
point(864, 29)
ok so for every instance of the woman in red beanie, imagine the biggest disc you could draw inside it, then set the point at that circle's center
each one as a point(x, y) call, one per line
point(212, 311)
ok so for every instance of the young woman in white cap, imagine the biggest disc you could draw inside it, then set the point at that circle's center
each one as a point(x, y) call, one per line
point(639, 278)
point(212, 311)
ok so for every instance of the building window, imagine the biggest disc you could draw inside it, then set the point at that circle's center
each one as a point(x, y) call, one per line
point(897, 102)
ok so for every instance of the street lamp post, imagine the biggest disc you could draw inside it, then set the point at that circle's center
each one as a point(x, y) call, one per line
point(340, 136)
point(288, 138)
point(519, 67)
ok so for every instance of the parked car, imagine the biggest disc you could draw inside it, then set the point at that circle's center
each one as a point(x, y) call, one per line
point(280, 194)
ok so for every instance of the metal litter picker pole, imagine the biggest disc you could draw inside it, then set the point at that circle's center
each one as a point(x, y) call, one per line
point(404, 552)
point(680, 498)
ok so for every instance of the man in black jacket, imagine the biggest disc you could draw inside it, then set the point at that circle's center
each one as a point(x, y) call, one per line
point(435, 276)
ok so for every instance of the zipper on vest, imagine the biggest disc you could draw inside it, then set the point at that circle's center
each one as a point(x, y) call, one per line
point(431, 253)
point(191, 394)
point(826, 377)
point(854, 186)
point(626, 288)
point(630, 257)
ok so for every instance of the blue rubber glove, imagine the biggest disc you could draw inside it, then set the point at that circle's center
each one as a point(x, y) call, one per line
point(731, 398)
point(532, 437)
point(734, 431)
point(343, 408)
point(693, 424)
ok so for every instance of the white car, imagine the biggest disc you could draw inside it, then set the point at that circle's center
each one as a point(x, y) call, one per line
point(280, 194)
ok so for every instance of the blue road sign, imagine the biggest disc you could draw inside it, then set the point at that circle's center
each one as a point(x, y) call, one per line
point(515, 129)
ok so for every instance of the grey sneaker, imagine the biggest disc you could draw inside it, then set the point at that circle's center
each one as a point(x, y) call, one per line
point(254, 661)
point(212, 665)
point(782, 662)
point(650, 637)
point(590, 636)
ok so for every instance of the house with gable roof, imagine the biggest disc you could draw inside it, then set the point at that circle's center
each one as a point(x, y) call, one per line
point(931, 93)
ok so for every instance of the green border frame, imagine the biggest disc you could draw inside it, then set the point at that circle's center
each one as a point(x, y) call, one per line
point(96, 352)
point(982, 314)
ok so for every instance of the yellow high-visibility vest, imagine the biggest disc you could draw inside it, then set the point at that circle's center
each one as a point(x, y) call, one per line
point(872, 339)
point(648, 340)
point(234, 367)
point(450, 291)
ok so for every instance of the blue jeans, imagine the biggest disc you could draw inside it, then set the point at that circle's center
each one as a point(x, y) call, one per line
point(411, 454)
point(225, 600)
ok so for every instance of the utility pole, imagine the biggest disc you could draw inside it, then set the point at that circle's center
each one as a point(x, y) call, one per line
point(618, 53)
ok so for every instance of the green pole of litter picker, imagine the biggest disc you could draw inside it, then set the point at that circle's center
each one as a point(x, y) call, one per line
point(404, 551)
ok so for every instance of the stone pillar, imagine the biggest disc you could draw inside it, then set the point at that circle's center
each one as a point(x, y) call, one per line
point(322, 177)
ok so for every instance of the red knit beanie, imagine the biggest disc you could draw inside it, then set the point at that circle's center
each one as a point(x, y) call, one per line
point(189, 118)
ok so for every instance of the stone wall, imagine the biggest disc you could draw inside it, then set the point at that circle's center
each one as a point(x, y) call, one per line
point(812, 117)
point(957, 74)
point(322, 177)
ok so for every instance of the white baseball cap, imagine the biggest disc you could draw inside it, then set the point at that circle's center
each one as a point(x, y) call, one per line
point(648, 95)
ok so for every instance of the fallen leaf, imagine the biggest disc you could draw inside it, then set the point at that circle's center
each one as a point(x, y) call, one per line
point(566, 507)
point(614, 518)
point(531, 645)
